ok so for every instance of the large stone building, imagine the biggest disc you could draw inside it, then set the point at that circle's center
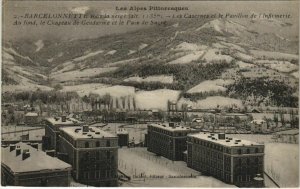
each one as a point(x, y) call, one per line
point(168, 140)
point(93, 154)
point(25, 165)
point(233, 161)
point(52, 125)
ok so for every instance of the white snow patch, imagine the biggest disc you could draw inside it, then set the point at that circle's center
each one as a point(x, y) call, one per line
point(215, 55)
point(116, 91)
point(155, 78)
point(88, 55)
point(80, 74)
point(12, 51)
point(211, 85)
point(295, 74)
point(157, 99)
point(184, 46)
point(112, 52)
point(212, 102)
point(39, 45)
point(243, 65)
point(270, 54)
point(282, 66)
point(188, 58)
point(50, 59)
point(131, 52)
point(175, 25)
point(243, 57)
point(142, 46)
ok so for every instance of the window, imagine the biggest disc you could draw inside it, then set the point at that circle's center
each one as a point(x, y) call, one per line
point(107, 143)
point(87, 156)
point(97, 174)
point(239, 151)
point(256, 150)
point(248, 151)
point(97, 155)
point(97, 144)
point(86, 145)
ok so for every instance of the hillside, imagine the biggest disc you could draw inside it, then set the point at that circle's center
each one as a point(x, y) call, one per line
point(202, 59)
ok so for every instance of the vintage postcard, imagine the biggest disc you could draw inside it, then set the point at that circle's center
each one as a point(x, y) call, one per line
point(150, 94)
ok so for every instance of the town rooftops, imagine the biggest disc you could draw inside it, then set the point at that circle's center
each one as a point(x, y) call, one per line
point(31, 114)
point(226, 141)
point(172, 127)
point(63, 120)
point(122, 131)
point(258, 121)
point(86, 132)
point(21, 158)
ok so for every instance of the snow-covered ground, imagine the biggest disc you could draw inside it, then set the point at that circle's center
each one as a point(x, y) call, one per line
point(156, 99)
point(88, 55)
point(185, 46)
point(270, 54)
point(212, 102)
point(33, 134)
point(188, 58)
point(112, 52)
point(39, 45)
point(154, 78)
point(116, 91)
point(282, 66)
point(140, 162)
point(84, 89)
point(142, 46)
point(211, 85)
point(244, 65)
point(79, 74)
point(215, 55)
point(243, 57)
point(295, 74)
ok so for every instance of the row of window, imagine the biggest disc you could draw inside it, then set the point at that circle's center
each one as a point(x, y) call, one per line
point(99, 174)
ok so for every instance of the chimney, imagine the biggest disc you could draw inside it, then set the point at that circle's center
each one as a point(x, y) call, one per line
point(172, 125)
point(35, 145)
point(221, 136)
point(12, 147)
point(85, 129)
point(63, 118)
point(18, 151)
point(25, 154)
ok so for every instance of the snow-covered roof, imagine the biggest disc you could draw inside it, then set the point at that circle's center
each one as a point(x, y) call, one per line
point(289, 132)
point(37, 161)
point(93, 132)
point(258, 121)
point(69, 121)
point(31, 114)
point(177, 127)
point(122, 131)
point(225, 142)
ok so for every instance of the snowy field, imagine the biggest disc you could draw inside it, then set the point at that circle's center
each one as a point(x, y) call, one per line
point(79, 74)
point(270, 54)
point(154, 78)
point(211, 85)
point(188, 58)
point(212, 102)
point(33, 135)
point(140, 162)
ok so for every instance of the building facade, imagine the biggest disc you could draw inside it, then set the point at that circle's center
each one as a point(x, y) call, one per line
point(123, 137)
point(25, 165)
point(233, 161)
point(259, 126)
point(93, 154)
point(31, 118)
point(52, 125)
point(168, 140)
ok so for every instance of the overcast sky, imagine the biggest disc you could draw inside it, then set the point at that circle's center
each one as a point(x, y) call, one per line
point(11, 8)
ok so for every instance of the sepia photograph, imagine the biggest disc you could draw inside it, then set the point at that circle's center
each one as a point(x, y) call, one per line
point(150, 94)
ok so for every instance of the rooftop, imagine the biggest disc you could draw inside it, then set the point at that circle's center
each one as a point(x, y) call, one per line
point(93, 132)
point(289, 132)
point(176, 127)
point(228, 141)
point(59, 121)
point(37, 161)
point(122, 131)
